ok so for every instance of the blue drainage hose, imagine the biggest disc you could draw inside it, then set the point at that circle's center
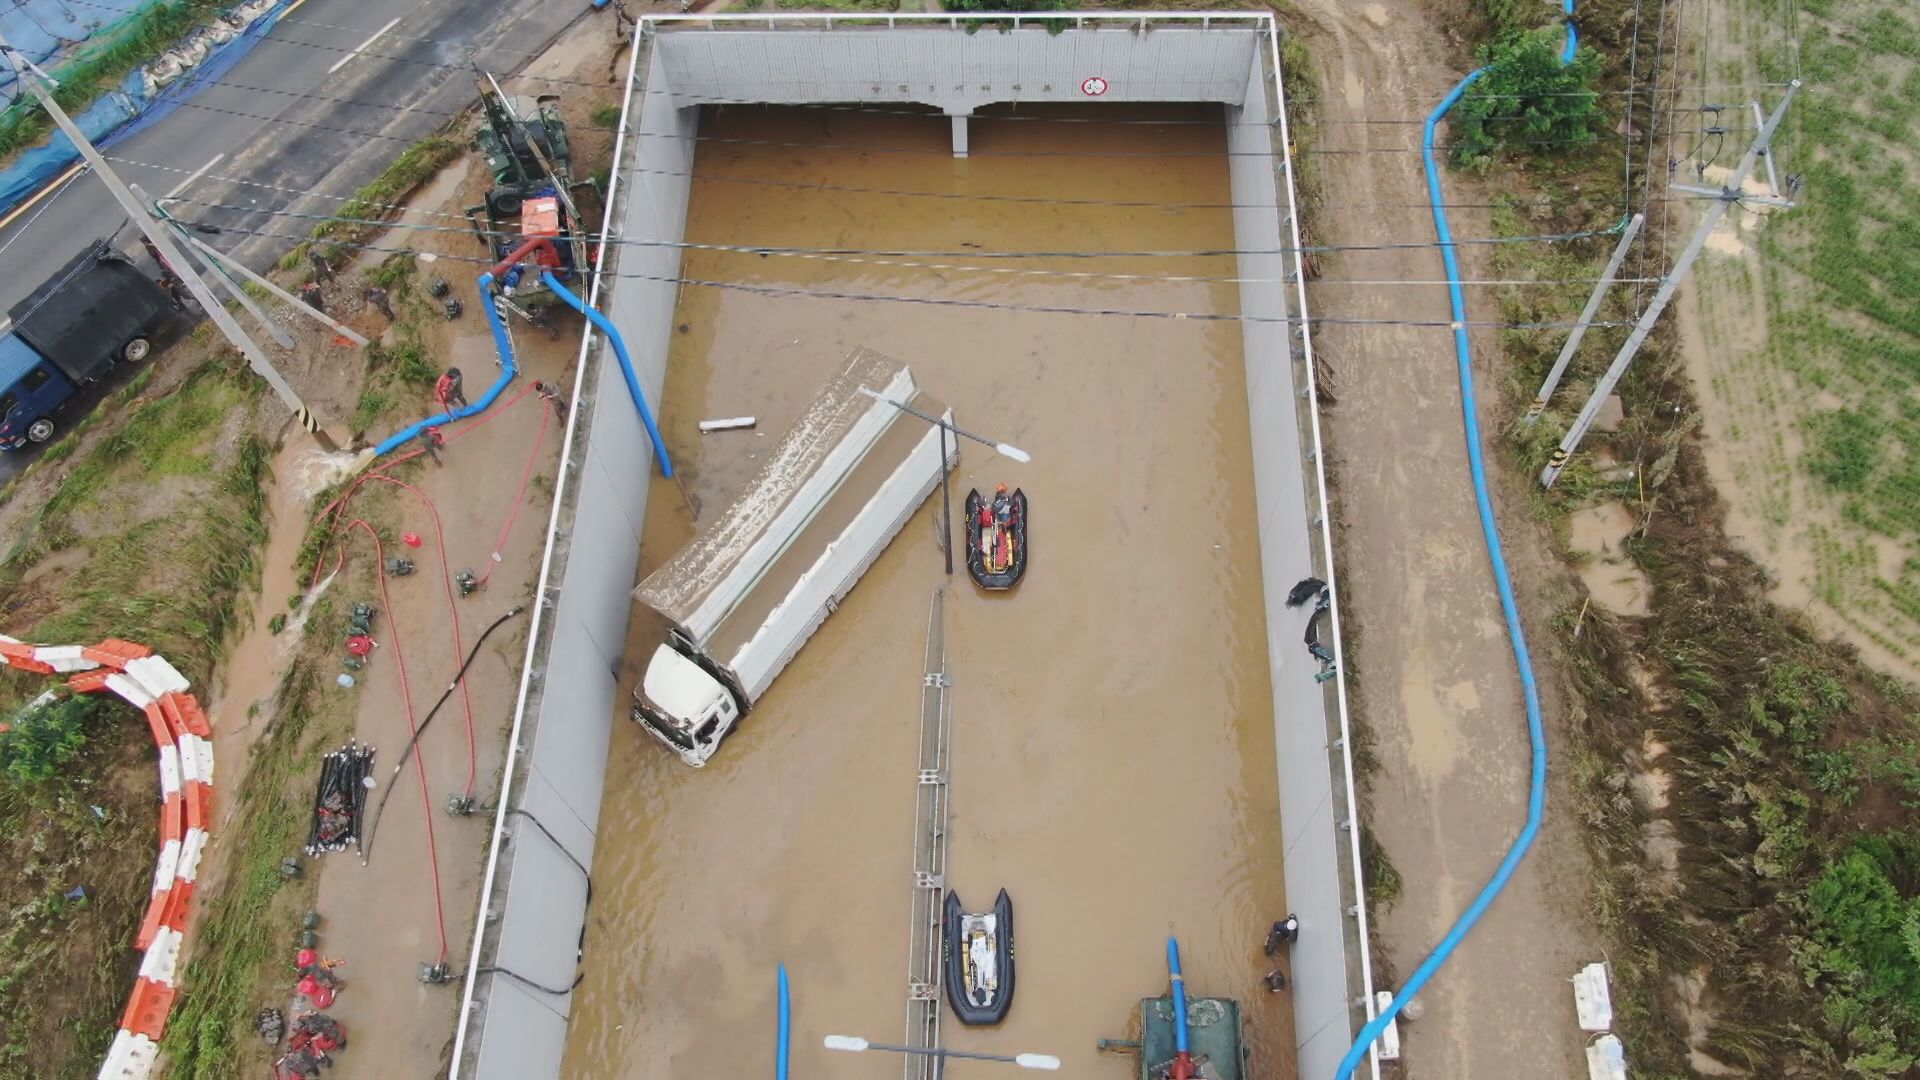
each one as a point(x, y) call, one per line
point(1536, 732)
point(785, 1030)
point(507, 372)
point(1179, 996)
point(626, 367)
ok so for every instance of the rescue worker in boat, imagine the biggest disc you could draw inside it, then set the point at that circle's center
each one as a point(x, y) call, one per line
point(1002, 506)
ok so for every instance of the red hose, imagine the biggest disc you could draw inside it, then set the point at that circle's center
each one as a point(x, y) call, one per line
point(420, 766)
point(453, 615)
point(526, 475)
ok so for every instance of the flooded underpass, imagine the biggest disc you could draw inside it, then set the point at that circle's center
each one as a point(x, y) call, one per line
point(1113, 739)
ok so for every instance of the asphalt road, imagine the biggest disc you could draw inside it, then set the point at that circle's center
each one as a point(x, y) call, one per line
point(265, 123)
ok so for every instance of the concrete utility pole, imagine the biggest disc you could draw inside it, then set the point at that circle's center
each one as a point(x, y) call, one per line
point(37, 83)
point(293, 302)
point(1586, 317)
point(273, 329)
point(1725, 196)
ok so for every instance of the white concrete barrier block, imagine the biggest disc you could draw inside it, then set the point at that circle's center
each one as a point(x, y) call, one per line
point(1389, 1041)
point(168, 866)
point(196, 759)
point(191, 851)
point(131, 1057)
point(156, 676)
point(130, 690)
point(64, 658)
point(169, 770)
point(1606, 1059)
point(162, 957)
point(1592, 1000)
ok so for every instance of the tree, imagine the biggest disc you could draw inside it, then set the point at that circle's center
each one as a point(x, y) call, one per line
point(43, 738)
point(1528, 98)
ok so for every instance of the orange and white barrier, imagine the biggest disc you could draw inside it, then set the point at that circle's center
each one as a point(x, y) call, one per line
point(182, 737)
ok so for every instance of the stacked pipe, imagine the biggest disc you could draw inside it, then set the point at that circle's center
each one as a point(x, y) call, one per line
point(340, 799)
point(183, 739)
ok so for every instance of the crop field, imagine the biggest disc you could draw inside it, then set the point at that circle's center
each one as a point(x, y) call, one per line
point(1805, 335)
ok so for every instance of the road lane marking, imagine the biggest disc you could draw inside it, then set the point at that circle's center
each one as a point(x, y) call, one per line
point(196, 174)
point(342, 62)
point(42, 193)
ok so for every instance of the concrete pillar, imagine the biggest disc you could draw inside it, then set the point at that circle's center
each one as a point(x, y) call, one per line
point(960, 132)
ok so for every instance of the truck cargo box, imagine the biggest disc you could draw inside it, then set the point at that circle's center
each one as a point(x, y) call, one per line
point(87, 312)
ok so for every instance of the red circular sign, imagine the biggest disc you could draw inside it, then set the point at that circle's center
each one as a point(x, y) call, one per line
point(1094, 86)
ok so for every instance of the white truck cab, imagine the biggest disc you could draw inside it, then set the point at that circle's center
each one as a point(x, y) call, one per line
point(684, 705)
point(741, 598)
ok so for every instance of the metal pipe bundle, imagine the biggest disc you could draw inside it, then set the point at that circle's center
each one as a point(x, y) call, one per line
point(340, 799)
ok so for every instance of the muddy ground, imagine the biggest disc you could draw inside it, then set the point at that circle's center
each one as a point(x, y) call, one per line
point(1113, 735)
point(1434, 678)
point(412, 904)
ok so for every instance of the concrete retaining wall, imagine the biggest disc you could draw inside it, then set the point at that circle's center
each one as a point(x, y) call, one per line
point(534, 906)
point(1328, 960)
point(958, 71)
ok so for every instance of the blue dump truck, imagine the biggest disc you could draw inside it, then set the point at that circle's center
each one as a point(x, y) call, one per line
point(99, 310)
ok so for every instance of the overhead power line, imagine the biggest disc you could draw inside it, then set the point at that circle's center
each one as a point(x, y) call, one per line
point(969, 253)
point(934, 301)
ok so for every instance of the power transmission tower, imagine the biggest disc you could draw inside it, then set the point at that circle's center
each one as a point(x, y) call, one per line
point(37, 83)
point(1725, 196)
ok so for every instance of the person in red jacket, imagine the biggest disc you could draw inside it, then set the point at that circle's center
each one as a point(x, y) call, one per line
point(448, 390)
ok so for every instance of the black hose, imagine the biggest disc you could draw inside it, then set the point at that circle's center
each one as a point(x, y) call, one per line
point(524, 981)
point(366, 851)
point(588, 874)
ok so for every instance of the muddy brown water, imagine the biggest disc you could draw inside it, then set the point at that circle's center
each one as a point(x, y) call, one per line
point(1113, 749)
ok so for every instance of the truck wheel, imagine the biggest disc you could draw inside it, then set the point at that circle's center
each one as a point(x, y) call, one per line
point(40, 430)
point(136, 350)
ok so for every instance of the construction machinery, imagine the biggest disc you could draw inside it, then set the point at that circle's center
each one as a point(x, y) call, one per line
point(524, 141)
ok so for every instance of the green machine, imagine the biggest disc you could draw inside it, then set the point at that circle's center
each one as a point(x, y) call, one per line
point(1184, 1038)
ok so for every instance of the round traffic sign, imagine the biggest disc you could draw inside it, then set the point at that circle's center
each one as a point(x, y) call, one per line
point(1094, 86)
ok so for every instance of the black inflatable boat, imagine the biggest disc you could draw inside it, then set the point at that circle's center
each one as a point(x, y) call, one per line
point(978, 956)
point(996, 551)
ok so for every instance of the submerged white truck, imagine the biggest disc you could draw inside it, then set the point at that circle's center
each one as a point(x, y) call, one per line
point(756, 582)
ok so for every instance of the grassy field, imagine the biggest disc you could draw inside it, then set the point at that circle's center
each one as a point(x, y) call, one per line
point(1823, 453)
point(150, 536)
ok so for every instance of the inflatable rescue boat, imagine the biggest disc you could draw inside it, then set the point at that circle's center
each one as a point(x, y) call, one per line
point(996, 547)
point(978, 955)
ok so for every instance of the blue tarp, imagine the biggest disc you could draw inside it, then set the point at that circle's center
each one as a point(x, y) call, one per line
point(50, 32)
point(120, 114)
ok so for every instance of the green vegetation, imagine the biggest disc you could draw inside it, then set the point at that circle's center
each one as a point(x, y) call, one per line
point(607, 117)
point(375, 201)
point(1827, 420)
point(1789, 771)
point(248, 930)
point(103, 67)
point(41, 739)
point(112, 553)
point(66, 956)
point(169, 581)
point(394, 377)
point(1527, 100)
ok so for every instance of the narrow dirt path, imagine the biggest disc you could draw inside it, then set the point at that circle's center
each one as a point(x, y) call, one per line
point(1434, 676)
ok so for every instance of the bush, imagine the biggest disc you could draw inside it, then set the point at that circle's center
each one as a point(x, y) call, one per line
point(1528, 98)
point(42, 739)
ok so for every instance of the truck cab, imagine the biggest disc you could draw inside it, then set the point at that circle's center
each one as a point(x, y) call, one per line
point(31, 388)
point(684, 706)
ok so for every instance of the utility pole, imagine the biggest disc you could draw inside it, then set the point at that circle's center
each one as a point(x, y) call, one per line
point(37, 82)
point(1586, 317)
point(273, 329)
point(1725, 196)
